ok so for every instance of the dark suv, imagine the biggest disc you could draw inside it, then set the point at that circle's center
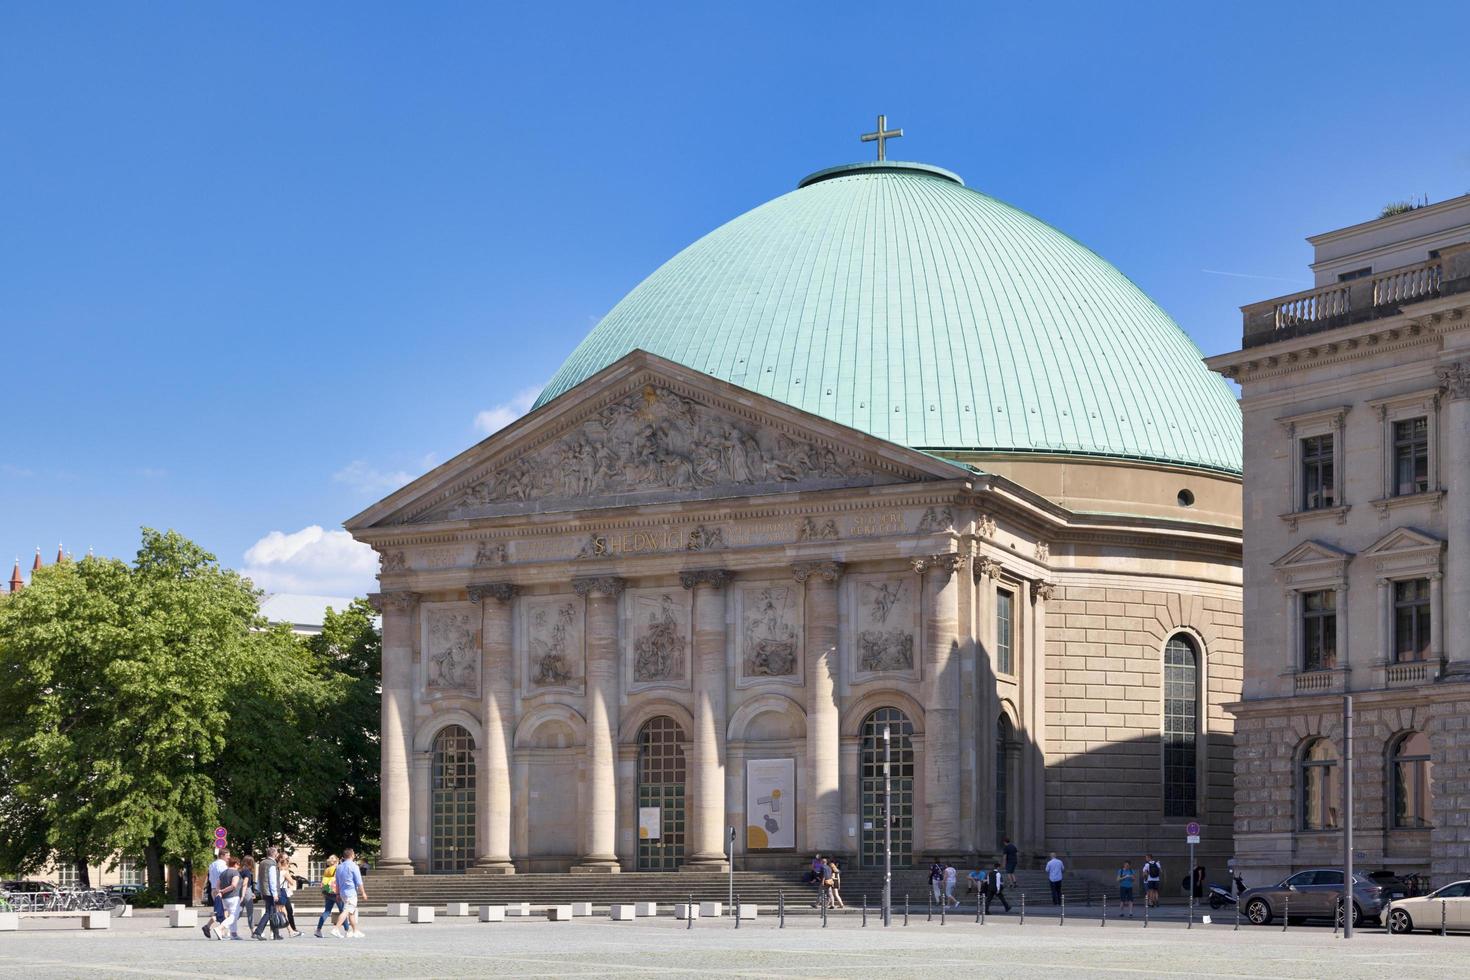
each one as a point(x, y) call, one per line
point(1315, 894)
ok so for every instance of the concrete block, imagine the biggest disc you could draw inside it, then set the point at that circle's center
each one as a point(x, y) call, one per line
point(711, 910)
point(622, 913)
point(9, 921)
point(397, 910)
point(559, 913)
point(126, 912)
point(492, 913)
point(686, 911)
point(746, 910)
point(645, 909)
point(457, 908)
point(518, 908)
point(582, 908)
point(173, 908)
point(96, 920)
point(183, 918)
point(421, 914)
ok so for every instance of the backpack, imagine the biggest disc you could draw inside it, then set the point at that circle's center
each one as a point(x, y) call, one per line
point(1153, 870)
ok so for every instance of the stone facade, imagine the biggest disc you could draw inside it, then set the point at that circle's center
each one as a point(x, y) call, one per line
point(1356, 406)
point(726, 586)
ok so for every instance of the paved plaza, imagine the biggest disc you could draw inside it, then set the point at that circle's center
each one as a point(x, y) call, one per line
point(663, 947)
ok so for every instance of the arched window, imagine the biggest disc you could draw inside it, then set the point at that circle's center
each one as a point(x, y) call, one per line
point(453, 800)
point(1410, 765)
point(901, 787)
point(1005, 737)
point(1181, 727)
point(661, 805)
point(1321, 790)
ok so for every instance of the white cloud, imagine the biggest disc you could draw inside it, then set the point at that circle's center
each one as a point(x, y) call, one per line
point(312, 561)
point(365, 478)
point(498, 417)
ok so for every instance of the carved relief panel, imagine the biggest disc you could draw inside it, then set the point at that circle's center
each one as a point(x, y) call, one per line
point(885, 627)
point(450, 665)
point(657, 639)
point(553, 644)
point(769, 620)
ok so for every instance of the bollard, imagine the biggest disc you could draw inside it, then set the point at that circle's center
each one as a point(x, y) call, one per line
point(1387, 916)
point(929, 906)
point(1443, 904)
point(1237, 914)
point(1285, 912)
point(689, 916)
point(1145, 910)
point(781, 908)
point(1063, 920)
point(865, 910)
point(980, 910)
point(1336, 917)
point(1191, 909)
point(1023, 909)
point(737, 911)
point(943, 907)
point(905, 908)
point(824, 908)
point(1104, 910)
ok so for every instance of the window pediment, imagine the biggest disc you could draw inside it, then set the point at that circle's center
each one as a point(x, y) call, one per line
point(1405, 549)
point(1313, 563)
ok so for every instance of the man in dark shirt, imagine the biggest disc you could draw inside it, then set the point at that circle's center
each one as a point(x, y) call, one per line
point(1012, 854)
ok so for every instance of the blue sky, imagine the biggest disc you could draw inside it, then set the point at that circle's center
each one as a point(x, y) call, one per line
point(259, 263)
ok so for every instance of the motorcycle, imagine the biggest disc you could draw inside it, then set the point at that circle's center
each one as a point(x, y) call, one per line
point(1222, 897)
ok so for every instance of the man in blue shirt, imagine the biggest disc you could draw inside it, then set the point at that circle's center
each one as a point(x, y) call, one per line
point(216, 868)
point(350, 888)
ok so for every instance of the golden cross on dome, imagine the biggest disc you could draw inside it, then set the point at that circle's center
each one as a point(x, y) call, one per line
point(881, 135)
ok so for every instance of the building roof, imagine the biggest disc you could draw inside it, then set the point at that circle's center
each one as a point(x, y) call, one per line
point(891, 298)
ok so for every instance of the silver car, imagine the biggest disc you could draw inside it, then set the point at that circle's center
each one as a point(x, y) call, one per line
point(1315, 894)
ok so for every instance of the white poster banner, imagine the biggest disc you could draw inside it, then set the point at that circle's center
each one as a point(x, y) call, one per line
point(650, 822)
point(770, 804)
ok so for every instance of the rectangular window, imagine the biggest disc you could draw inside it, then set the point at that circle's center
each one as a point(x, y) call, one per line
point(66, 872)
point(1319, 630)
point(129, 872)
point(1411, 456)
point(1318, 488)
point(1362, 273)
point(1004, 633)
point(314, 869)
point(1411, 620)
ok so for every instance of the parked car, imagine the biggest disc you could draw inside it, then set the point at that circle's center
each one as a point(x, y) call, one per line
point(1314, 894)
point(16, 887)
point(126, 891)
point(1449, 905)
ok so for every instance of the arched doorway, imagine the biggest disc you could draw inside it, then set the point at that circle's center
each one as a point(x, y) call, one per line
point(901, 773)
point(660, 795)
point(1005, 743)
point(453, 801)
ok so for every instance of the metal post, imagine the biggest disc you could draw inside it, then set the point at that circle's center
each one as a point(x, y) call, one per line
point(1145, 908)
point(1347, 812)
point(1104, 910)
point(1443, 913)
point(781, 909)
point(865, 910)
point(1285, 912)
point(1063, 920)
point(1237, 914)
point(1191, 887)
point(943, 907)
point(824, 902)
point(1023, 909)
point(929, 904)
point(980, 909)
point(888, 836)
point(690, 912)
point(737, 911)
point(905, 909)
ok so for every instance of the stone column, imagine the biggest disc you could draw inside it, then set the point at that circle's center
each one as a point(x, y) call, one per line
point(497, 716)
point(1454, 442)
point(707, 775)
point(600, 816)
point(823, 721)
point(1384, 653)
point(397, 610)
point(939, 647)
point(1436, 619)
point(1344, 646)
point(1034, 804)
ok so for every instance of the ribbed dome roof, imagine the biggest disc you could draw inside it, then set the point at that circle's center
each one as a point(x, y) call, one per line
point(891, 298)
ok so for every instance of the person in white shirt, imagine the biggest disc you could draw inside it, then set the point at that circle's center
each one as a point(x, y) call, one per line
point(949, 883)
point(216, 868)
point(1054, 870)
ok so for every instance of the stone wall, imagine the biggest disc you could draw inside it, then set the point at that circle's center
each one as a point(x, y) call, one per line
point(1449, 740)
point(1104, 674)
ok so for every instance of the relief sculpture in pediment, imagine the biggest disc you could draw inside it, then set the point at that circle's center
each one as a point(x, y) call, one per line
point(453, 657)
point(660, 639)
point(657, 439)
point(886, 639)
point(770, 638)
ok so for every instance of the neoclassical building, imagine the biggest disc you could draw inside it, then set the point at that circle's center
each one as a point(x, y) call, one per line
point(1356, 398)
point(883, 454)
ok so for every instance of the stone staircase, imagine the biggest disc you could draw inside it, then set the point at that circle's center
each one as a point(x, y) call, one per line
point(760, 887)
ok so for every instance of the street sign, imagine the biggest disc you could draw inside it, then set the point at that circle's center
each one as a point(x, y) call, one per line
point(1192, 839)
point(220, 831)
point(1192, 828)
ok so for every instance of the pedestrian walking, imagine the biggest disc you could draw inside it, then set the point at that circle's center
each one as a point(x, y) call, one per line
point(288, 888)
point(1012, 856)
point(248, 894)
point(228, 893)
point(835, 873)
point(1153, 873)
point(270, 890)
point(936, 882)
point(1054, 871)
point(216, 868)
point(951, 877)
point(331, 901)
point(994, 887)
point(349, 885)
point(1126, 878)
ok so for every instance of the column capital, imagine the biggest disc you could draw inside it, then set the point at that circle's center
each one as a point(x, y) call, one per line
point(395, 601)
point(986, 568)
point(715, 577)
point(829, 571)
point(947, 563)
point(504, 591)
point(609, 585)
point(1042, 590)
point(1454, 380)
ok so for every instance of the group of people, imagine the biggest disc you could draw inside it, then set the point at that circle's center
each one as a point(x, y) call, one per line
point(236, 884)
point(827, 877)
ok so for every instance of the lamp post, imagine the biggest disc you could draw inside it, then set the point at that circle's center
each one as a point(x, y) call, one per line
point(1347, 816)
point(887, 830)
point(731, 839)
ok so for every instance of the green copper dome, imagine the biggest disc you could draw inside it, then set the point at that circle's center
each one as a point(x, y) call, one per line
point(891, 298)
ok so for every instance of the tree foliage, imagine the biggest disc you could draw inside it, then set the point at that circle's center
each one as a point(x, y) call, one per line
point(142, 705)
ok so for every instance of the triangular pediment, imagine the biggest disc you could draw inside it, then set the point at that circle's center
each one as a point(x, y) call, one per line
point(1310, 553)
point(644, 431)
point(1403, 541)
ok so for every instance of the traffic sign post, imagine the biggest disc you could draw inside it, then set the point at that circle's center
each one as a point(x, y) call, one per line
point(221, 839)
point(1191, 831)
